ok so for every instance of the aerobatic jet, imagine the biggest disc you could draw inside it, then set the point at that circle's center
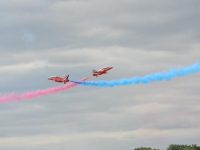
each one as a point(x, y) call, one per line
point(59, 79)
point(101, 71)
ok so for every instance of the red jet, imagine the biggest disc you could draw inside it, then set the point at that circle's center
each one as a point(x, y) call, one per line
point(101, 71)
point(59, 79)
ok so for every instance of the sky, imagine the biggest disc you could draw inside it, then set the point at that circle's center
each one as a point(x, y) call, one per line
point(41, 38)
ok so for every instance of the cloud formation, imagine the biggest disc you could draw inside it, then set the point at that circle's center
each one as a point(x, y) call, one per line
point(44, 38)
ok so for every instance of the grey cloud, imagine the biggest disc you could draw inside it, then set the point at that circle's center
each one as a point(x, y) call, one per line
point(128, 24)
point(43, 38)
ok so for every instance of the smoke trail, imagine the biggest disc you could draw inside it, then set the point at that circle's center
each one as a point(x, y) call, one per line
point(146, 78)
point(32, 94)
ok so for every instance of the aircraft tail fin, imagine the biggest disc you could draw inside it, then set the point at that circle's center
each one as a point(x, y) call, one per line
point(66, 77)
point(94, 71)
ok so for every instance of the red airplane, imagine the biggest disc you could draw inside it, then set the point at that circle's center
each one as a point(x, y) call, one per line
point(101, 71)
point(59, 79)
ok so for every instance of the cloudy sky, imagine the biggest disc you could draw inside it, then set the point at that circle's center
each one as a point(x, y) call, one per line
point(40, 38)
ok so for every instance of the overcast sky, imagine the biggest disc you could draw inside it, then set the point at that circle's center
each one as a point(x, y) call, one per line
point(41, 38)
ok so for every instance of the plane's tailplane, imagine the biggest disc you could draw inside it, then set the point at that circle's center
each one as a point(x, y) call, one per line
point(95, 74)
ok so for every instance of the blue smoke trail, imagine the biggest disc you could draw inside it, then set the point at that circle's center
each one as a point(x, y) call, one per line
point(146, 78)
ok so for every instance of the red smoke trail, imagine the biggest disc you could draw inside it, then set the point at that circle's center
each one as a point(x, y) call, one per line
point(32, 94)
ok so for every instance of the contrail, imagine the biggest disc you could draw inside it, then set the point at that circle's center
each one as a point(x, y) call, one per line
point(146, 78)
point(37, 93)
